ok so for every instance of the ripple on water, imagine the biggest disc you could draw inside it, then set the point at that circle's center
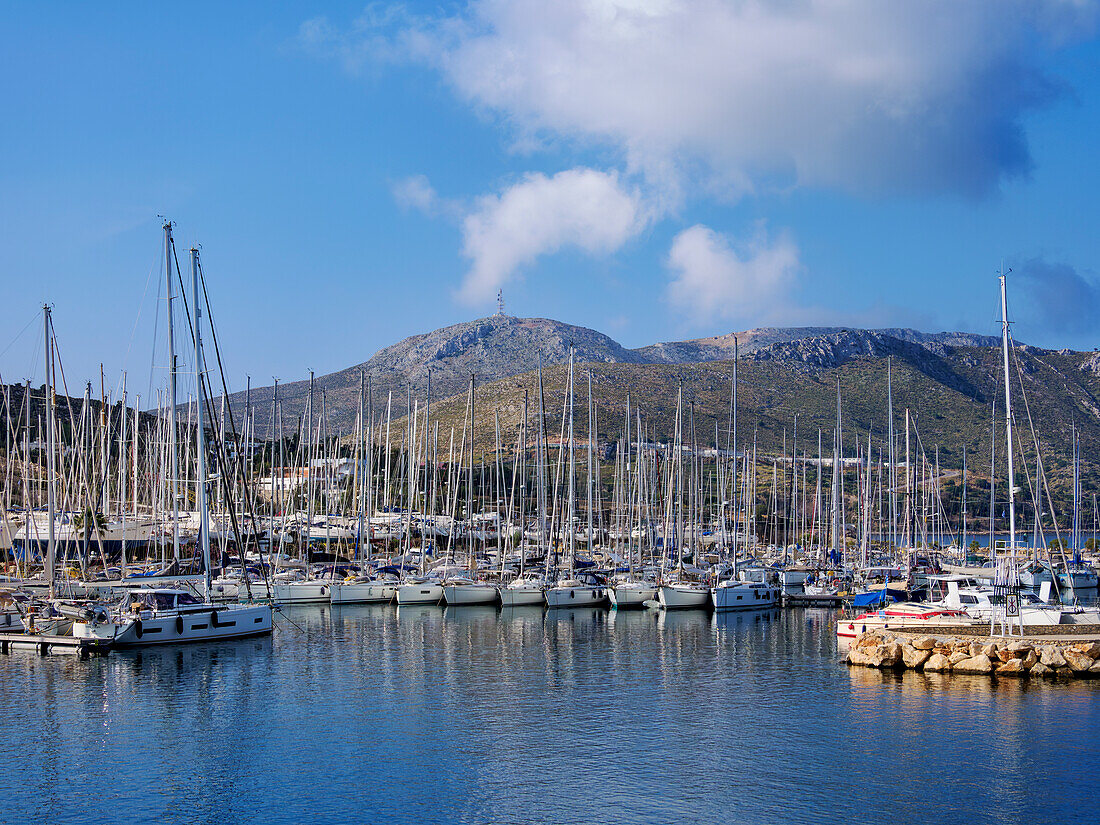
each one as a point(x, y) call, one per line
point(426, 714)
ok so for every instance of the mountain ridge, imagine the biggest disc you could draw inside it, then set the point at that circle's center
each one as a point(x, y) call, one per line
point(502, 346)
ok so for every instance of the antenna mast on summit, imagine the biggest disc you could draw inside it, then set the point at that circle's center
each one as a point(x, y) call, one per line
point(500, 302)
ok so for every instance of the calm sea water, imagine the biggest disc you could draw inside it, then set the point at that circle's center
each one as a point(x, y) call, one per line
point(371, 714)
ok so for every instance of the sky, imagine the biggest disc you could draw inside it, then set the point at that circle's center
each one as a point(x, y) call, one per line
point(654, 169)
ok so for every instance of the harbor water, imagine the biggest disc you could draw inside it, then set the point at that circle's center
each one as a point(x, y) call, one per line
point(471, 715)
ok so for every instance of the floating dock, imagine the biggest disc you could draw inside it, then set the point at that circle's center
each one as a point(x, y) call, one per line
point(815, 600)
point(44, 644)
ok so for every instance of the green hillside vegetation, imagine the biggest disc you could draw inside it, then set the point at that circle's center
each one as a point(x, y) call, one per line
point(949, 410)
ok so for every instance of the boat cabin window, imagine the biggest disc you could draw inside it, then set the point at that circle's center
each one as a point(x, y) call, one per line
point(185, 599)
point(966, 598)
point(141, 601)
point(165, 601)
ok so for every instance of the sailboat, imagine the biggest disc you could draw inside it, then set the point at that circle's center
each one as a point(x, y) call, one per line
point(464, 588)
point(163, 615)
point(678, 591)
point(298, 586)
point(628, 590)
point(573, 589)
point(528, 588)
point(427, 586)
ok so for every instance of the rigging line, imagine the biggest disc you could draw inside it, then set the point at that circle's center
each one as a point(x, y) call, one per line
point(19, 334)
point(279, 609)
point(153, 349)
point(137, 320)
point(229, 413)
point(204, 395)
point(1040, 476)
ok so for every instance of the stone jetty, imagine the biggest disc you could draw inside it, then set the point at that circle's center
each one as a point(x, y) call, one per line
point(996, 656)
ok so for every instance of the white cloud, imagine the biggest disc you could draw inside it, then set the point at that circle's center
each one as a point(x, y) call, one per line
point(733, 95)
point(712, 279)
point(416, 192)
point(582, 208)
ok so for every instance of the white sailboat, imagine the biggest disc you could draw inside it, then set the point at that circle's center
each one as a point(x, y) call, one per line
point(153, 616)
point(464, 588)
point(677, 591)
point(681, 595)
point(525, 591)
point(628, 591)
point(363, 590)
point(573, 590)
point(420, 590)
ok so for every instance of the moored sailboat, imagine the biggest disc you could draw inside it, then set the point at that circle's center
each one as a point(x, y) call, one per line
point(168, 615)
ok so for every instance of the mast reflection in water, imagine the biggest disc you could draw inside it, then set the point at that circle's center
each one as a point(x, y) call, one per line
point(425, 714)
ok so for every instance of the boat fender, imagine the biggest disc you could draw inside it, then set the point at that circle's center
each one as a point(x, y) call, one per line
point(324, 590)
point(213, 618)
point(571, 594)
point(179, 625)
point(139, 629)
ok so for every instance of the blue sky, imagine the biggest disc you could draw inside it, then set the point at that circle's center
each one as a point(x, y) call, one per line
point(653, 169)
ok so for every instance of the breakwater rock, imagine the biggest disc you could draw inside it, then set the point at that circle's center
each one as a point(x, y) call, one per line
point(1001, 657)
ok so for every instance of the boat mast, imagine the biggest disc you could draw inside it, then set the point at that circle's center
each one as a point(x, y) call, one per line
point(590, 458)
point(733, 485)
point(428, 506)
point(1008, 415)
point(370, 464)
point(891, 475)
point(542, 458)
point(275, 435)
point(122, 473)
point(309, 470)
point(51, 546)
point(470, 488)
point(963, 540)
point(173, 443)
point(200, 433)
point(571, 504)
point(363, 426)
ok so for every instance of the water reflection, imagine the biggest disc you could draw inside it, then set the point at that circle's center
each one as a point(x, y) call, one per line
point(428, 714)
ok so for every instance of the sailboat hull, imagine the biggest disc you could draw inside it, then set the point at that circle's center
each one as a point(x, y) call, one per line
point(477, 593)
point(521, 596)
point(204, 625)
point(362, 592)
point(307, 592)
point(1077, 580)
point(624, 596)
point(744, 596)
point(683, 596)
point(425, 593)
point(581, 595)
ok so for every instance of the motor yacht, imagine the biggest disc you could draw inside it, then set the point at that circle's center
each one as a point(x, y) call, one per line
point(737, 595)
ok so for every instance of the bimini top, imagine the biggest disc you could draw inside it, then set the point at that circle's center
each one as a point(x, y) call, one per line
point(883, 596)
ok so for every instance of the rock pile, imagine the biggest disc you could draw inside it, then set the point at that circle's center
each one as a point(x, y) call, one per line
point(997, 657)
